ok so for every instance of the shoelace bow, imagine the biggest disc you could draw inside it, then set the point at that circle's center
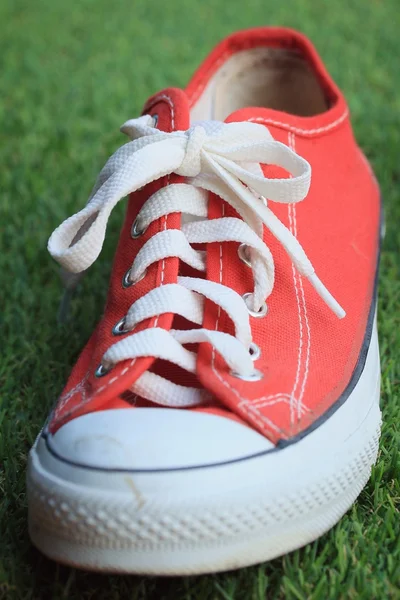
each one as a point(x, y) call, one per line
point(213, 157)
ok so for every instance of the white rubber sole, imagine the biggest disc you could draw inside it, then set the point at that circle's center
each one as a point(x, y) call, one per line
point(208, 519)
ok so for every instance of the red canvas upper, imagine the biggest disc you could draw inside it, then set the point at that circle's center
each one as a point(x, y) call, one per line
point(308, 354)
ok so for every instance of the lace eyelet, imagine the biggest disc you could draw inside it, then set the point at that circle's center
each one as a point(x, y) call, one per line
point(256, 375)
point(136, 231)
point(127, 281)
point(119, 328)
point(254, 351)
point(242, 254)
point(261, 313)
point(102, 370)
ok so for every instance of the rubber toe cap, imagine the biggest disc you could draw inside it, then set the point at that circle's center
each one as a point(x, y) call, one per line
point(152, 439)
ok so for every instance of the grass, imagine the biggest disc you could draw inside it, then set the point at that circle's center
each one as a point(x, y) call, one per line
point(71, 73)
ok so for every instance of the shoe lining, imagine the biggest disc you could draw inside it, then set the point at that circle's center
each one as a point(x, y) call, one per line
point(274, 78)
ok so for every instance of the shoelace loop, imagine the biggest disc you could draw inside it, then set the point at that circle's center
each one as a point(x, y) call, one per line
point(213, 156)
point(191, 164)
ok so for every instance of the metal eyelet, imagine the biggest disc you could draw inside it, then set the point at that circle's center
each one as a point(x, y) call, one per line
point(261, 313)
point(254, 351)
point(136, 231)
point(155, 118)
point(119, 328)
point(256, 375)
point(127, 281)
point(243, 255)
point(102, 370)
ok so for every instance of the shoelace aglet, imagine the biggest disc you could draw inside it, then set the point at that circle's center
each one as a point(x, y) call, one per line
point(70, 282)
point(63, 309)
point(326, 296)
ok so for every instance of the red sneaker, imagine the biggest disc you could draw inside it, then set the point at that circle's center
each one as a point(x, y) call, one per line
point(226, 408)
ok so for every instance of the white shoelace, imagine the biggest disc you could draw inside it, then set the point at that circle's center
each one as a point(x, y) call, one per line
point(212, 156)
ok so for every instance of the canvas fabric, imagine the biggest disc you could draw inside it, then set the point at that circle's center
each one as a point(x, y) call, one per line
point(308, 355)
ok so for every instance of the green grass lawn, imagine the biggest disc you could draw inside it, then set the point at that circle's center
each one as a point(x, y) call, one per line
point(71, 73)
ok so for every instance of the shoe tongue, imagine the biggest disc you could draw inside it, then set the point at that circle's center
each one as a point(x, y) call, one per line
point(172, 109)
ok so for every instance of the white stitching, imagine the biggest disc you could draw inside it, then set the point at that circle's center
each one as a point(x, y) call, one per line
point(260, 419)
point(292, 217)
point(163, 262)
point(292, 213)
point(64, 399)
point(80, 387)
point(277, 395)
point(307, 363)
point(255, 404)
point(220, 281)
point(272, 398)
point(245, 403)
point(276, 399)
point(75, 389)
point(171, 105)
point(299, 130)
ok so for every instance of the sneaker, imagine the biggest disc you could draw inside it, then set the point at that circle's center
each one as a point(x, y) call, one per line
point(225, 410)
